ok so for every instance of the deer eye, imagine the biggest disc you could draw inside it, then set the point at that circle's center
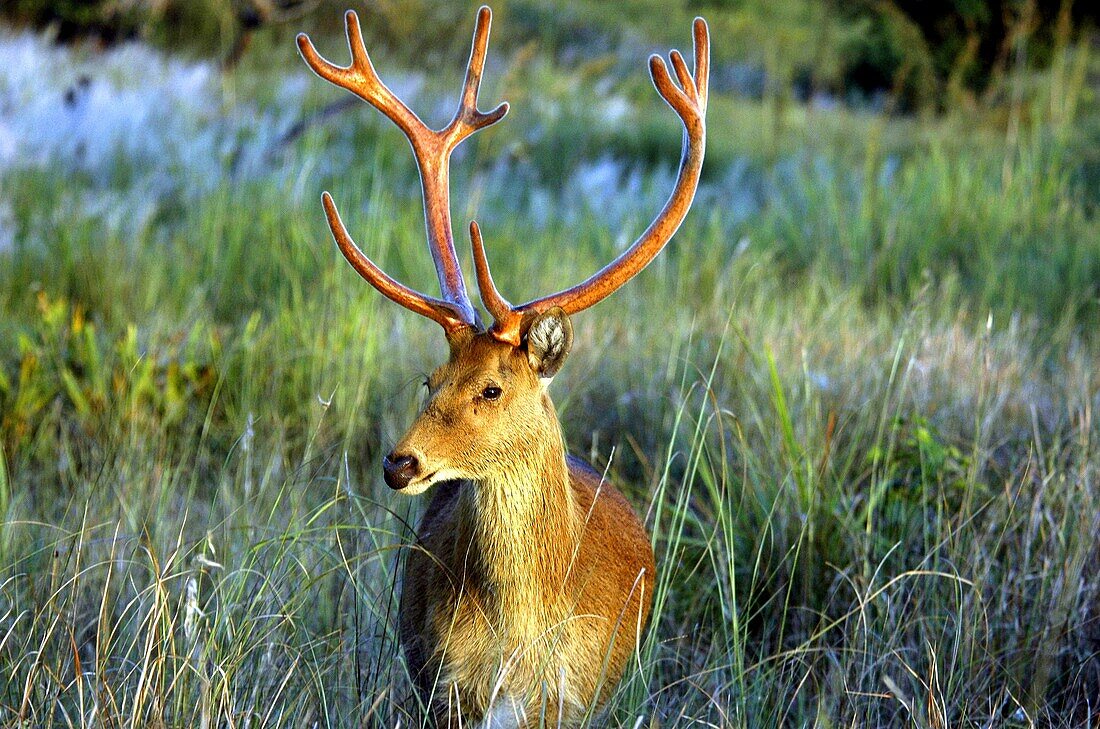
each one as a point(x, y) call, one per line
point(492, 392)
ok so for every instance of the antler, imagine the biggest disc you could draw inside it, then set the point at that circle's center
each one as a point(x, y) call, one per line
point(689, 101)
point(433, 151)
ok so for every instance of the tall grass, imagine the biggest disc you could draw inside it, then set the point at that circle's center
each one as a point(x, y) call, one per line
point(854, 401)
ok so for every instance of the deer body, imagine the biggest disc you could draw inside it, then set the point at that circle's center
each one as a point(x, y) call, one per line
point(531, 580)
point(529, 586)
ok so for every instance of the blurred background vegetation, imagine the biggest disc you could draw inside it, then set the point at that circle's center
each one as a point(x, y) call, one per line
point(920, 55)
point(855, 399)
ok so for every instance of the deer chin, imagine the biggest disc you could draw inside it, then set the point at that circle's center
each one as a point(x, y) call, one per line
point(420, 485)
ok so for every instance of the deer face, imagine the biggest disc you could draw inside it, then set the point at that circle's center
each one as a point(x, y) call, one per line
point(467, 428)
point(487, 403)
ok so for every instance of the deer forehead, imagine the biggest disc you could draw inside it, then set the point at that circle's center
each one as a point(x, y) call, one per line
point(483, 359)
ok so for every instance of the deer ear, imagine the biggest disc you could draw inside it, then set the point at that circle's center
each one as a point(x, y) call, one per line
point(549, 340)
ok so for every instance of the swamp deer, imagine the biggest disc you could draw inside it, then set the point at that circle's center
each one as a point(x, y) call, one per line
point(532, 578)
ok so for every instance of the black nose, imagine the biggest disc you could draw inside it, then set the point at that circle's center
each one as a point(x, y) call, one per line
point(400, 470)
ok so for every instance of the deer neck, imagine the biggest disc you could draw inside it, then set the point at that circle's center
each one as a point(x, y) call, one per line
point(523, 525)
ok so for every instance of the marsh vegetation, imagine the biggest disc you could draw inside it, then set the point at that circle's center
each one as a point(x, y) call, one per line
point(856, 399)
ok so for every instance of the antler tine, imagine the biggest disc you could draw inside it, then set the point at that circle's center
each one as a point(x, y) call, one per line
point(444, 313)
point(701, 38)
point(689, 101)
point(467, 118)
point(687, 83)
point(495, 304)
point(360, 78)
point(432, 150)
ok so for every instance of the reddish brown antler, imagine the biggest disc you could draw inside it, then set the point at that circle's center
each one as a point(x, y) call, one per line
point(689, 101)
point(433, 151)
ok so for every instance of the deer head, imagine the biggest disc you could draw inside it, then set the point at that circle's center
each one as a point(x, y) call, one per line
point(489, 401)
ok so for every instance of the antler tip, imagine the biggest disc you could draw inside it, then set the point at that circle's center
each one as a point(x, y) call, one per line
point(492, 117)
point(305, 45)
point(702, 34)
point(354, 33)
point(329, 205)
point(658, 71)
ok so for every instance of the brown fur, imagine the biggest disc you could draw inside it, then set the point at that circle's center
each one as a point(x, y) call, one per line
point(532, 578)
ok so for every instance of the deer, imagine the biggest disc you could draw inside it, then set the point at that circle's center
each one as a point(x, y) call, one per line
point(531, 579)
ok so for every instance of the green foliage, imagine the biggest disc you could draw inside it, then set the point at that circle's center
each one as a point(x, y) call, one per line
point(71, 382)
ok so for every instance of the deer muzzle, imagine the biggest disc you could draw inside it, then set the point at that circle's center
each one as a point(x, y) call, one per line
point(400, 470)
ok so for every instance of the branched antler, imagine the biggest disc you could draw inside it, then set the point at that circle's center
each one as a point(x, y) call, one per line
point(687, 95)
point(689, 101)
point(432, 150)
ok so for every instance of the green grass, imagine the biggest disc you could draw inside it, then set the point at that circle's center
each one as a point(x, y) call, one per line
point(857, 413)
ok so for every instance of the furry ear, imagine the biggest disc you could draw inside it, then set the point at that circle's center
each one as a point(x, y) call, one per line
point(549, 340)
